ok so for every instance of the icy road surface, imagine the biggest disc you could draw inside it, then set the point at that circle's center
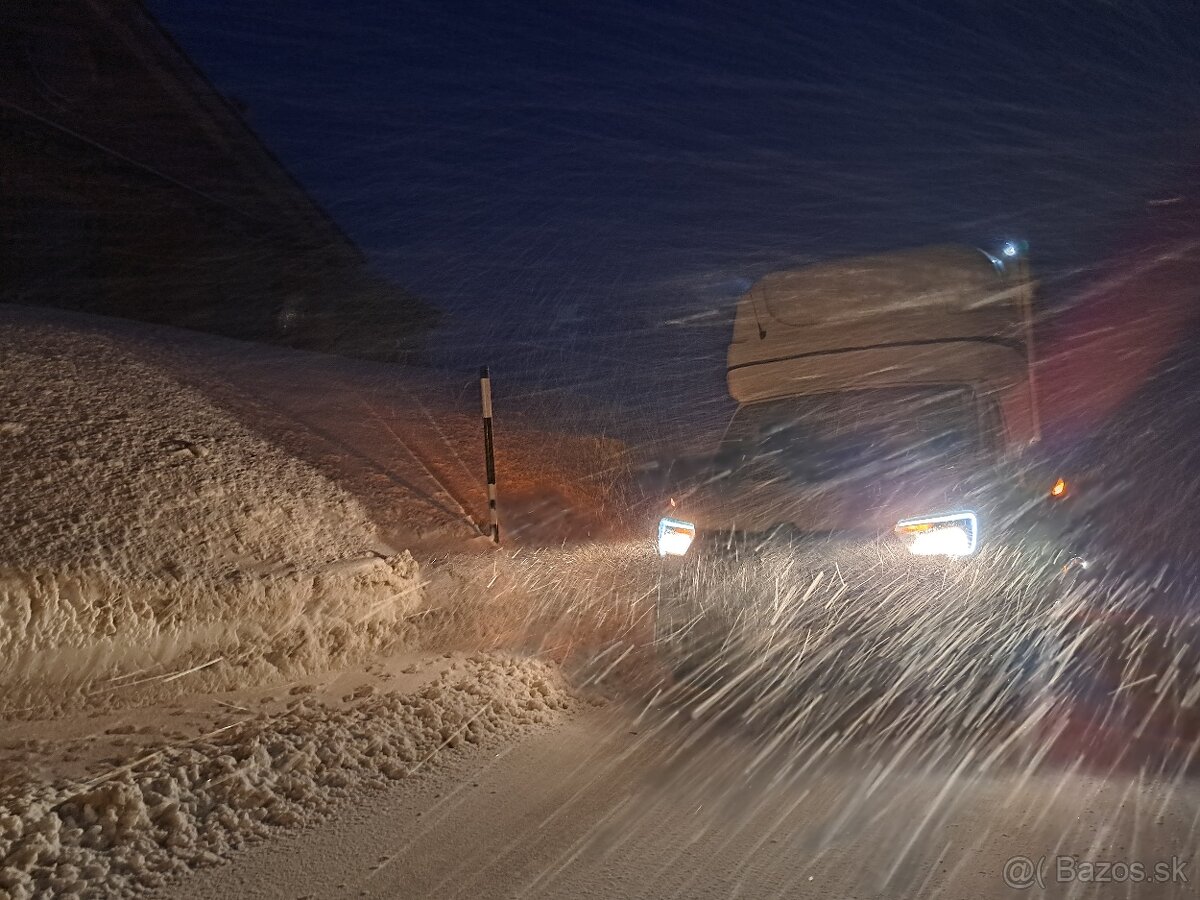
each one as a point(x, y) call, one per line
point(596, 808)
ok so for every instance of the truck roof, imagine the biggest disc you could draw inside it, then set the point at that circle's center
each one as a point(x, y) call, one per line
point(945, 314)
point(945, 277)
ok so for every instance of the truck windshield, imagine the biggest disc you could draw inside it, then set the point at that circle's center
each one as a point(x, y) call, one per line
point(851, 434)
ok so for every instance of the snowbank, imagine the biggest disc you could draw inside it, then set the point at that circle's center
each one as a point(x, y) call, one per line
point(189, 805)
point(146, 533)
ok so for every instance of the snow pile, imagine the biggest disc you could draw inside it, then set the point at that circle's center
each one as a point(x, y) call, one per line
point(145, 532)
point(589, 608)
point(188, 806)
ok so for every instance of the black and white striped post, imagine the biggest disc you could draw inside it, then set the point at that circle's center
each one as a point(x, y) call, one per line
point(485, 389)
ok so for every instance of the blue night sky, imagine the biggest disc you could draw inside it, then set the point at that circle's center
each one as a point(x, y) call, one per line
point(506, 161)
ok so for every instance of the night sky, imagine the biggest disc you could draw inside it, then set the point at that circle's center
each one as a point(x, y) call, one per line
point(635, 163)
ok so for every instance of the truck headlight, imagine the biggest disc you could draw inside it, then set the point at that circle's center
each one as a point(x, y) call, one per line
point(674, 536)
point(951, 534)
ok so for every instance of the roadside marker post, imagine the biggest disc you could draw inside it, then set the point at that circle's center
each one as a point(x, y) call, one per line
point(485, 390)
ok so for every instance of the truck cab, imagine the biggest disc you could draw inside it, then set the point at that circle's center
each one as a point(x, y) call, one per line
point(885, 396)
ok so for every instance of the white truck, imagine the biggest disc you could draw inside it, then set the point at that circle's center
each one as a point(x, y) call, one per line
point(887, 396)
point(825, 551)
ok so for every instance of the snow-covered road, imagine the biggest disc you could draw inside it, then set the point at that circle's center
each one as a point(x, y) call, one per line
point(605, 806)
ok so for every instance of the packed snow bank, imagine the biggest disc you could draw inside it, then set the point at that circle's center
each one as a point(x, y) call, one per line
point(188, 805)
point(145, 533)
